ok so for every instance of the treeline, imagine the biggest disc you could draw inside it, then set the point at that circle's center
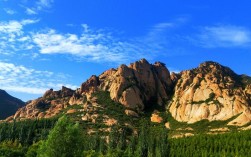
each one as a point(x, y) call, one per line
point(26, 132)
point(233, 144)
point(66, 138)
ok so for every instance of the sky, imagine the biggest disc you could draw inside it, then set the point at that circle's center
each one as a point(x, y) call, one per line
point(53, 43)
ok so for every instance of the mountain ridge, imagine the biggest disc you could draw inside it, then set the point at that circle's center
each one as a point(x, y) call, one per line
point(8, 104)
point(206, 92)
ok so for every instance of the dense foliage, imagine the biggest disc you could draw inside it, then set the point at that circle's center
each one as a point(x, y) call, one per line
point(131, 137)
point(226, 145)
point(68, 139)
point(26, 132)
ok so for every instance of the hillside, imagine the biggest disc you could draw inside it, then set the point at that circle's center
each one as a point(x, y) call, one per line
point(8, 104)
point(211, 95)
point(138, 110)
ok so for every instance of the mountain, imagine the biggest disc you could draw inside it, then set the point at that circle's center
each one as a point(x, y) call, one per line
point(8, 104)
point(209, 92)
point(212, 92)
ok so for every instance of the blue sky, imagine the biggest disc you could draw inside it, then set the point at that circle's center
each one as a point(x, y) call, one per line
point(49, 43)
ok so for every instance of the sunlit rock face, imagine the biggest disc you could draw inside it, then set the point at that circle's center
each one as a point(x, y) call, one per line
point(137, 86)
point(212, 92)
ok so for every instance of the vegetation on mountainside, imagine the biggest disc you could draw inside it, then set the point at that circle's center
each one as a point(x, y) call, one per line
point(26, 132)
point(130, 137)
point(229, 144)
point(246, 80)
point(68, 139)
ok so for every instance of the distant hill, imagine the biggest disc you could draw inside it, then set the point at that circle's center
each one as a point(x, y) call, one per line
point(8, 104)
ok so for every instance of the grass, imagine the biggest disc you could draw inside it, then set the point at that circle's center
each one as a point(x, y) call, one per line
point(200, 127)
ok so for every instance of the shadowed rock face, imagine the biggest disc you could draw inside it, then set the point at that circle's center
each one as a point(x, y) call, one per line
point(8, 104)
point(211, 91)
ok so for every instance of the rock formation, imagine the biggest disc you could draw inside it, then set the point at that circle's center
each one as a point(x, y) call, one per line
point(47, 106)
point(211, 91)
point(138, 85)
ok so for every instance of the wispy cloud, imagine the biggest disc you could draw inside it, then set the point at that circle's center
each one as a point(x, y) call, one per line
point(30, 11)
point(224, 36)
point(93, 45)
point(38, 5)
point(42, 4)
point(13, 37)
point(18, 78)
point(88, 46)
point(9, 11)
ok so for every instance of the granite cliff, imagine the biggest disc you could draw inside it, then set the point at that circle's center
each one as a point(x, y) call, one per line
point(211, 91)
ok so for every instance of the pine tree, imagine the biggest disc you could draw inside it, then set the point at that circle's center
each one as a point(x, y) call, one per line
point(142, 148)
point(64, 140)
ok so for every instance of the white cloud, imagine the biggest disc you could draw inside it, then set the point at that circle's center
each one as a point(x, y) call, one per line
point(37, 6)
point(15, 26)
point(102, 45)
point(30, 11)
point(29, 21)
point(224, 36)
point(86, 27)
point(13, 36)
point(41, 4)
point(9, 11)
point(10, 27)
point(18, 78)
point(90, 45)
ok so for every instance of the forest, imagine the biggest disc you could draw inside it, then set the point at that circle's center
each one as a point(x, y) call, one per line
point(64, 137)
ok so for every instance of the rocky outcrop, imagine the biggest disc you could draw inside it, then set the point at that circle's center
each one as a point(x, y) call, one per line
point(90, 85)
point(156, 118)
point(63, 93)
point(47, 106)
point(212, 92)
point(138, 85)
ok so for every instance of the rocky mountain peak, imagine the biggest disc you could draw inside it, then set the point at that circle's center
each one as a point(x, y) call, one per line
point(214, 68)
point(210, 91)
point(64, 92)
point(138, 84)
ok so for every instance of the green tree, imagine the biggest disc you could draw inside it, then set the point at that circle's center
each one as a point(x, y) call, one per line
point(64, 140)
point(142, 149)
